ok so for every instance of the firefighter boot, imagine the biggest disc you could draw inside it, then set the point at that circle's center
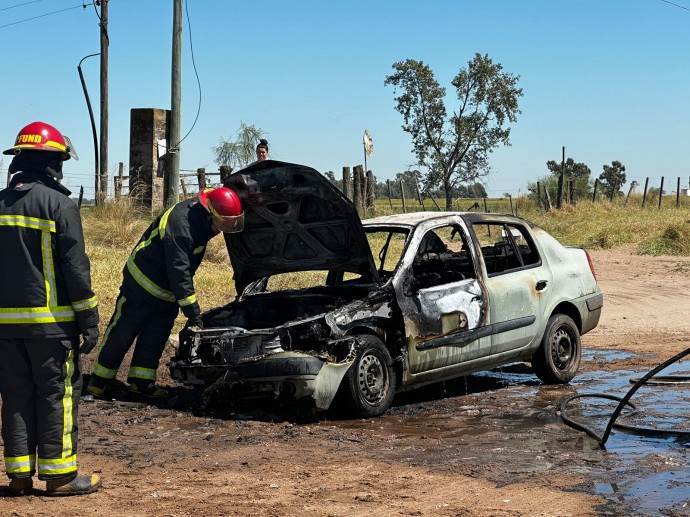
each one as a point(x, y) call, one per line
point(20, 486)
point(77, 485)
point(147, 391)
point(97, 386)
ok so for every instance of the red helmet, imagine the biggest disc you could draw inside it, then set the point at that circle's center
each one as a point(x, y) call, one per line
point(225, 208)
point(39, 136)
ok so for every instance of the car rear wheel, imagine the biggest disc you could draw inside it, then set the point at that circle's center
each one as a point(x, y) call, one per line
point(369, 385)
point(558, 357)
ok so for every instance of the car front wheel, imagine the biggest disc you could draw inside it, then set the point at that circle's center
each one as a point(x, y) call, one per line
point(369, 385)
point(558, 357)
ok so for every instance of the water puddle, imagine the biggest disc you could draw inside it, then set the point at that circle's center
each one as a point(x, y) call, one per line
point(507, 425)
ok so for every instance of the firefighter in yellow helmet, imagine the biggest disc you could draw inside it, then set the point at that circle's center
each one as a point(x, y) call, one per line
point(46, 303)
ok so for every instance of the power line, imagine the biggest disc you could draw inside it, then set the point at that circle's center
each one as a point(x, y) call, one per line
point(83, 6)
point(20, 5)
point(676, 5)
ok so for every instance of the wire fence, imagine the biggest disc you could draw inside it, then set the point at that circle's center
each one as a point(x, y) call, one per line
point(652, 192)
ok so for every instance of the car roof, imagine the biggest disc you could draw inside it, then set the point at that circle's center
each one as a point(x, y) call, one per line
point(413, 219)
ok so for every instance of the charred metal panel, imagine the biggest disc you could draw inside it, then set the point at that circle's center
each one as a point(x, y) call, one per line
point(439, 310)
point(362, 313)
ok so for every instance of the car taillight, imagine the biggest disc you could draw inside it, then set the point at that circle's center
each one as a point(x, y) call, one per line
point(591, 264)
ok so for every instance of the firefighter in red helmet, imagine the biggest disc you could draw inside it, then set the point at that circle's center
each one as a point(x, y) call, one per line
point(46, 303)
point(157, 283)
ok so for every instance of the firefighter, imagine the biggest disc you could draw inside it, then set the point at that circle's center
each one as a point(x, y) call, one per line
point(46, 303)
point(157, 283)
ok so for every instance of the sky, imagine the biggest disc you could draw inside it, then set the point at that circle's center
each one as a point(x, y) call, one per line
point(606, 79)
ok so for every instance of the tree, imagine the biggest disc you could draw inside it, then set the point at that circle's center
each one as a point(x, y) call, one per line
point(454, 149)
point(613, 177)
point(476, 190)
point(577, 171)
point(411, 179)
point(330, 175)
point(241, 152)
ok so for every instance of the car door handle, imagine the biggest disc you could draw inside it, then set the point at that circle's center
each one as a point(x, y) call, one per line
point(541, 285)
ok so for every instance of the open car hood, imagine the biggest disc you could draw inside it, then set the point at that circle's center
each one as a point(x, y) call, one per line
point(295, 220)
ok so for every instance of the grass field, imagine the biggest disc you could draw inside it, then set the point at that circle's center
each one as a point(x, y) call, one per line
point(113, 229)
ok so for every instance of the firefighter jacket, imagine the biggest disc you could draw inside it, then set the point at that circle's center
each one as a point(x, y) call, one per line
point(45, 277)
point(166, 257)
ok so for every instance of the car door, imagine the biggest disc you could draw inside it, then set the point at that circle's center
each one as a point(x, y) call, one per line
point(518, 283)
point(440, 297)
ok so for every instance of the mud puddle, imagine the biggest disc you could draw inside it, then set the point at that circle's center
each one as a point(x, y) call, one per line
point(506, 425)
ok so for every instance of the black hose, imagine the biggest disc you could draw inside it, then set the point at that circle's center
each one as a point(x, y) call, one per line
point(625, 401)
point(637, 386)
point(666, 379)
point(581, 427)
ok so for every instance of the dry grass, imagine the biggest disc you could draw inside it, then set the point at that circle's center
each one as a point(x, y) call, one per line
point(601, 225)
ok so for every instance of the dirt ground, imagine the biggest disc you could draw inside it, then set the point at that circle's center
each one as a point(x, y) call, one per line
point(489, 445)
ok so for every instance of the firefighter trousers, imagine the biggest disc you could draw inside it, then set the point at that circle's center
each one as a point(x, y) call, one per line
point(40, 385)
point(137, 316)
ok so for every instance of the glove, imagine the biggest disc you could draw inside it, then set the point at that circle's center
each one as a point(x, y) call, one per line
point(91, 335)
point(194, 321)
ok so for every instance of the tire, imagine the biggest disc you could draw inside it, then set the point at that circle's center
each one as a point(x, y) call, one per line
point(558, 357)
point(368, 387)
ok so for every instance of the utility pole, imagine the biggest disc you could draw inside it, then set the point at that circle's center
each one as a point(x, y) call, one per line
point(102, 193)
point(173, 190)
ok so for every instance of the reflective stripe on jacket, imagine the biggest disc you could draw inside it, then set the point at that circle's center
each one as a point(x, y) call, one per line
point(44, 271)
point(166, 257)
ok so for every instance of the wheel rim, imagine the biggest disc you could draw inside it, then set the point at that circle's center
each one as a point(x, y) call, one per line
point(562, 348)
point(372, 379)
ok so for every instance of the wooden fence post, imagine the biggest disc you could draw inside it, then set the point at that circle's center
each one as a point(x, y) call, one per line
point(435, 203)
point(201, 178)
point(119, 180)
point(225, 171)
point(511, 204)
point(661, 191)
point(371, 194)
point(390, 201)
point(548, 198)
point(614, 188)
point(81, 196)
point(678, 193)
point(357, 189)
point(644, 194)
point(561, 181)
point(347, 183)
point(594, 194)
point(633, 184)
point(488, 226)
point(402, 194)
point(183, 187)
point(539, 195)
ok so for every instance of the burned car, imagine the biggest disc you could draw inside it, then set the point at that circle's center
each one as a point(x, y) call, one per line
point(383, 305)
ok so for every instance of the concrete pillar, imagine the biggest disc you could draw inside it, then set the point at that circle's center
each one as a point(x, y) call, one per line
point(148, 168)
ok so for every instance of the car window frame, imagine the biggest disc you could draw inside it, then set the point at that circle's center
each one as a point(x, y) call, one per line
point(510, 240)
